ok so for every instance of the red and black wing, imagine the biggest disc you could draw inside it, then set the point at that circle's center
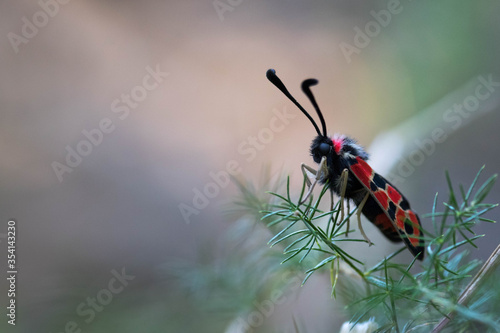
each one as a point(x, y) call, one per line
point(395, 216)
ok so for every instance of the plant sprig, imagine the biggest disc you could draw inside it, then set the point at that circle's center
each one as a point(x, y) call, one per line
point(391, 292)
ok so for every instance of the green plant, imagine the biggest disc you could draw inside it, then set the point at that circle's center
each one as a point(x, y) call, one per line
point(402, 297)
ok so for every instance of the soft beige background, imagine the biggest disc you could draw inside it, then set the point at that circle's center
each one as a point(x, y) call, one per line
point(120, 206)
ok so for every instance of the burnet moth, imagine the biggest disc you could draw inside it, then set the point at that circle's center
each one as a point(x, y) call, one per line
point(342, 162)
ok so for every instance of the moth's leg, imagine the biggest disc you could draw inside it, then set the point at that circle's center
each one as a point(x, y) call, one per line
point(360, 208)
point(331, 206)
point(343, 187)
point(331, 201)
point(348, 217)
point(311, 180)
point(313, 176)
point(309, 172)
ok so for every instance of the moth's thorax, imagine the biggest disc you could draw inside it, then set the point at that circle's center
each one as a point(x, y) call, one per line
point(340, 152)
point(338, 141)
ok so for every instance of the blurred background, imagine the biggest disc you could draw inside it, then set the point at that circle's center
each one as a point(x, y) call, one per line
point(121, 120)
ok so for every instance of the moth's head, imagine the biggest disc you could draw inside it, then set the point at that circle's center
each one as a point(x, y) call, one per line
point(322, 146)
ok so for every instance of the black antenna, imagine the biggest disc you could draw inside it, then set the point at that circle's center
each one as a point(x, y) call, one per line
point(271, 76)
point(306, 88)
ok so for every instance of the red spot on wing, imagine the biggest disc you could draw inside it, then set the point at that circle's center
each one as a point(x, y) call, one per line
point(384, 223)
point(394, 194)
point(363, 171)
point(382, 198)
point(414, 241)
point(400, 218)
point(416, 231)
point(409, 217)
point(414, 220)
